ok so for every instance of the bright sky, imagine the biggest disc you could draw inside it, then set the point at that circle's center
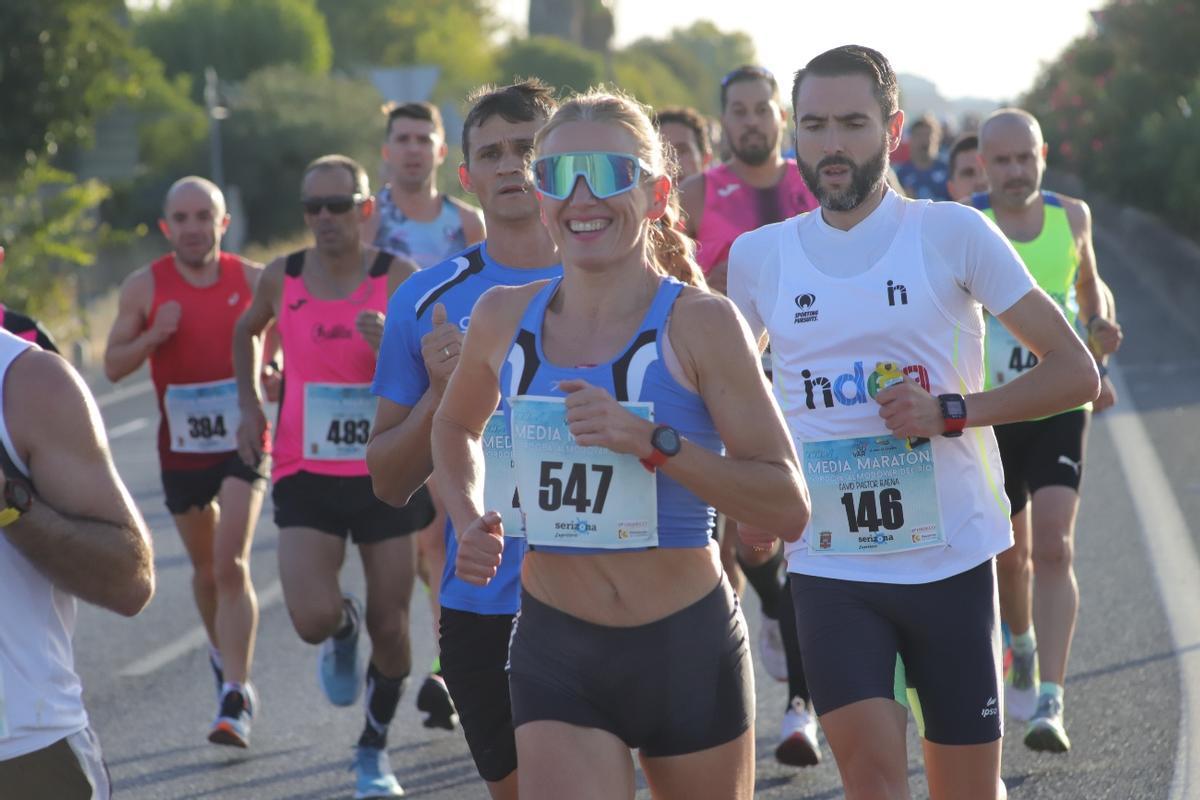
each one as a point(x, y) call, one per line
point(966, 48)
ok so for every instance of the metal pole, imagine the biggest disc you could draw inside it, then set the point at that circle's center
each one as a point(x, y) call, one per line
point(216, 113)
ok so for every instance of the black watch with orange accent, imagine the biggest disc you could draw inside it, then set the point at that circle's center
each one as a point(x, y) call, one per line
point(18, 499)
point(666, 443)
point(954, 414)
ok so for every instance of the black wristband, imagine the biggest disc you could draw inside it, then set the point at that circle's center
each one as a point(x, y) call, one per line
point(1103, 370)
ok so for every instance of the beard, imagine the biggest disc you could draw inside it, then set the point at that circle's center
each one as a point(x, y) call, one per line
point(753, 148)
point(865, 178)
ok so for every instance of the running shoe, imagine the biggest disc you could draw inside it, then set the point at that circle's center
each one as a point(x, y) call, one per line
point(798, 737)
point(340, 674)
point(373, 777)
point(232, 726)
point(771, 650)
point(1021, 686)
point(1046, 732)
point(434, 700)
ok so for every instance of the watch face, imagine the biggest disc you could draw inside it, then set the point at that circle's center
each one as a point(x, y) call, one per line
point(956, 408)
point(17, 495)
point(666, 440)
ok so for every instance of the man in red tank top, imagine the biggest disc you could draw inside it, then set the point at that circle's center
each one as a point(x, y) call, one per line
point(179, 313)
point(328, 302)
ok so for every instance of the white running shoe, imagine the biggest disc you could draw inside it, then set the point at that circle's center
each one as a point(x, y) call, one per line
point(1021, 686)
point(770, 648)
point(798, 737)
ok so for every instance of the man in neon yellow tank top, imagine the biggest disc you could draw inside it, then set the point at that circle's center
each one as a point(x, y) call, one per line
point(1042, 458)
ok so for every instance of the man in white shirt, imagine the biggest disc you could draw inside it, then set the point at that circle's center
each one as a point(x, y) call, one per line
point(68, 529)
point(874, 311)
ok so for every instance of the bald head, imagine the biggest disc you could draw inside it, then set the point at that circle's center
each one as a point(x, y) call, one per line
point(193, 186)
point(1014, 157)
point(194, 220)
point(1006, 121)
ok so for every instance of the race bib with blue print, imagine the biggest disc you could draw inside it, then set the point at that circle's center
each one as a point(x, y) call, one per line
point(337, 421)
point(871, 495)
point(574, 496)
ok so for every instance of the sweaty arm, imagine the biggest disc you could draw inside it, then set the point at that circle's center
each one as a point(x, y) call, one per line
point(1064, 377)
point(410, 378)
point(471, 396)
point(263, 308)
point(83, 531)
point(130, 342)
point(758, 480)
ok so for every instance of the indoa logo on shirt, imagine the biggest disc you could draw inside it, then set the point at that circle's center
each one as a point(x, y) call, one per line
point(856, 387)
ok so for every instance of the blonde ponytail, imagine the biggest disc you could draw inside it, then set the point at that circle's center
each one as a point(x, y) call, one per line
point(673, 251)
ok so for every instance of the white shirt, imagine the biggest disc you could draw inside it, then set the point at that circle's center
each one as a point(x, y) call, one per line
point(41, 699)
point(903, 288)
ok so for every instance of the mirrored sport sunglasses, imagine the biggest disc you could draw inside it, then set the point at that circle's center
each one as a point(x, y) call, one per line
point(336, 205)
point(607, 174)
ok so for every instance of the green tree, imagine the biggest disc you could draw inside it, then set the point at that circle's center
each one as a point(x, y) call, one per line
point(649, 80)
point(567, 66)
point(235, 36)
point(1120, 106)
point(696, 57)
point(62, 64)
point(453, 35)
point(281, 119)
point(49, 228)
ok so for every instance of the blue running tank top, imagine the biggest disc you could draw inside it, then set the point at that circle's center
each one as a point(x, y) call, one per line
point(400, 376)
point(426, 243)
point(638, 374)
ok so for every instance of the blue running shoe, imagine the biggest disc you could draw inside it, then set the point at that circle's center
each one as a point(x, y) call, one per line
point(232, 727)
point(338, 668)
point(373, 775)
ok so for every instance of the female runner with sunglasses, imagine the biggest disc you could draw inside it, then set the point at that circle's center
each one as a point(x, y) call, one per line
point(619, 384)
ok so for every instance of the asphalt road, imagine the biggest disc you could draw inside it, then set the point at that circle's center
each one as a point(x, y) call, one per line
point(1123, 690)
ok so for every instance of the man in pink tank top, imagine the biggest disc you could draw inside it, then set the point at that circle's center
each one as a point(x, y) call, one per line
point(328, 302)
point(178, 313)
point(756, 187)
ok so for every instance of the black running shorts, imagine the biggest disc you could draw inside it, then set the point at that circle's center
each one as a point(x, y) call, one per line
point(1042, 452)
point(678, 685)
point(346, 506)
point(70, 769)
point(474, 652)
point(185, 489)
point(947, 633)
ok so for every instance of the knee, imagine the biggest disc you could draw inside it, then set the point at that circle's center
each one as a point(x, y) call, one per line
point(315, 625)
point(865, 780)
point(387, 628)
point(204, 577)
point(1014, 561)
point(231, 575)
point(1054, 553)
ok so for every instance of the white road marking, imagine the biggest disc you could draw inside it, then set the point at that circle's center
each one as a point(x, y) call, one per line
point(126, 428)
point(124, 393)
point(193, 639)
point(1176, 567)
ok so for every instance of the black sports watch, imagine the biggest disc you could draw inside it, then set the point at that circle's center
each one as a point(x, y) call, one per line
point(18, 499)
point(954, 414)
point(666, 443)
